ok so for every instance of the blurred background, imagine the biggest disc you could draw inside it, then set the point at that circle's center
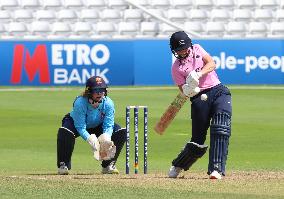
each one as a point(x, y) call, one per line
point(63, 42)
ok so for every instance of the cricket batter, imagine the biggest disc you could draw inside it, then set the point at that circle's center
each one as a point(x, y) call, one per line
point(91, 118)
point(211, 107)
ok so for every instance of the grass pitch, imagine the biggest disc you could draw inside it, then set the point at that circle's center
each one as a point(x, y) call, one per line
point(30, 119)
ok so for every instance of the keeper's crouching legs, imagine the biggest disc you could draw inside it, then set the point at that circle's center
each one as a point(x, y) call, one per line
point(65, 147)
point(220, 131)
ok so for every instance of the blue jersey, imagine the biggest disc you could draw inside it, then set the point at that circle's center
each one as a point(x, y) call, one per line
point(85, 116)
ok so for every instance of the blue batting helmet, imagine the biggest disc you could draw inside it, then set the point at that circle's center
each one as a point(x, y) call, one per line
point(96, 84)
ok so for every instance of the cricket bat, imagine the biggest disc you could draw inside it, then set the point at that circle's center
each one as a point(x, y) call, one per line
point(170, 113)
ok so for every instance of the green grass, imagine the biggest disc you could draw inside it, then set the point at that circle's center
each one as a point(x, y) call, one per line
point(29, 122)
point(138, 188)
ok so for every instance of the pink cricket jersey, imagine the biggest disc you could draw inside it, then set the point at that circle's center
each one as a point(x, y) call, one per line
point(181, 69)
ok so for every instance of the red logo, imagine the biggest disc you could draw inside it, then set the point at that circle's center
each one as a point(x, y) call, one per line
point(33, 64)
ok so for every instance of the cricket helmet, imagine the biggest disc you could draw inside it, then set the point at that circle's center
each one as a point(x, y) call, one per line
point(179, 41)
point(95, 84)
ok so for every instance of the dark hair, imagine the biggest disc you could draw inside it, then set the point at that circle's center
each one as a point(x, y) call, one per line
point(86, 93)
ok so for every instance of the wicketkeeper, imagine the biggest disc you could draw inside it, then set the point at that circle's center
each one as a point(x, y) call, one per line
point(92, 118)
point(193, 68)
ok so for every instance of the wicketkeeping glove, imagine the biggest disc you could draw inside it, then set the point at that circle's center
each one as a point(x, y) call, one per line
point(95, 144)
point(107, 148)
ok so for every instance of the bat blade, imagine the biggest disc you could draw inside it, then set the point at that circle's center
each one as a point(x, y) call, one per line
point(170, 113)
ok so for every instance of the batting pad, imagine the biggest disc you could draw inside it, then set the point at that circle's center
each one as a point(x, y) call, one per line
point(189, 155)
point(220, 131)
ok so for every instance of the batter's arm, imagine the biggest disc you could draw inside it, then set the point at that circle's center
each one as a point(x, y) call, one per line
point(209, 65)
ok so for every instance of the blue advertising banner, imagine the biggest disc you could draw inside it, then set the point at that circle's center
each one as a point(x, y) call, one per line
point(247, 61)
point(133, 62)
point(65, 63)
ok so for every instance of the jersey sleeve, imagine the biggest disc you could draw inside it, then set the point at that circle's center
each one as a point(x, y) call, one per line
point(108, 122)
point(200, 50)
point(79, 116)
point(178, 78)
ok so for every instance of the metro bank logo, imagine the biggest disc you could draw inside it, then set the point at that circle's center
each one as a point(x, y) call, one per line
point(31, 64)
point(58, 63)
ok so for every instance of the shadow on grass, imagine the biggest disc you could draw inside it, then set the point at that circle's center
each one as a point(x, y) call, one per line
point(99, 176)
point(48, 174)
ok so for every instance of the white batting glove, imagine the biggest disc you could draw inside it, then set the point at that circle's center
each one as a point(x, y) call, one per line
point(193, 78)
point(94, 142)
point(190, 91)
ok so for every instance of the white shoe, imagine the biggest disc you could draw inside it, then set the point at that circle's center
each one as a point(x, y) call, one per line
point(215, 175)
point(174, 171)
point(110, 169)
point(63, 170)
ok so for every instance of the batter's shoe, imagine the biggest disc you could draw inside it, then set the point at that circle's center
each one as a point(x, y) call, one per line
point(63, 170)
point(110, 169)
point(174, 172)
point(215, 175)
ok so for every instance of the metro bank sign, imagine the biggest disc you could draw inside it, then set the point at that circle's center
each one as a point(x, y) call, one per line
point(59, 63)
